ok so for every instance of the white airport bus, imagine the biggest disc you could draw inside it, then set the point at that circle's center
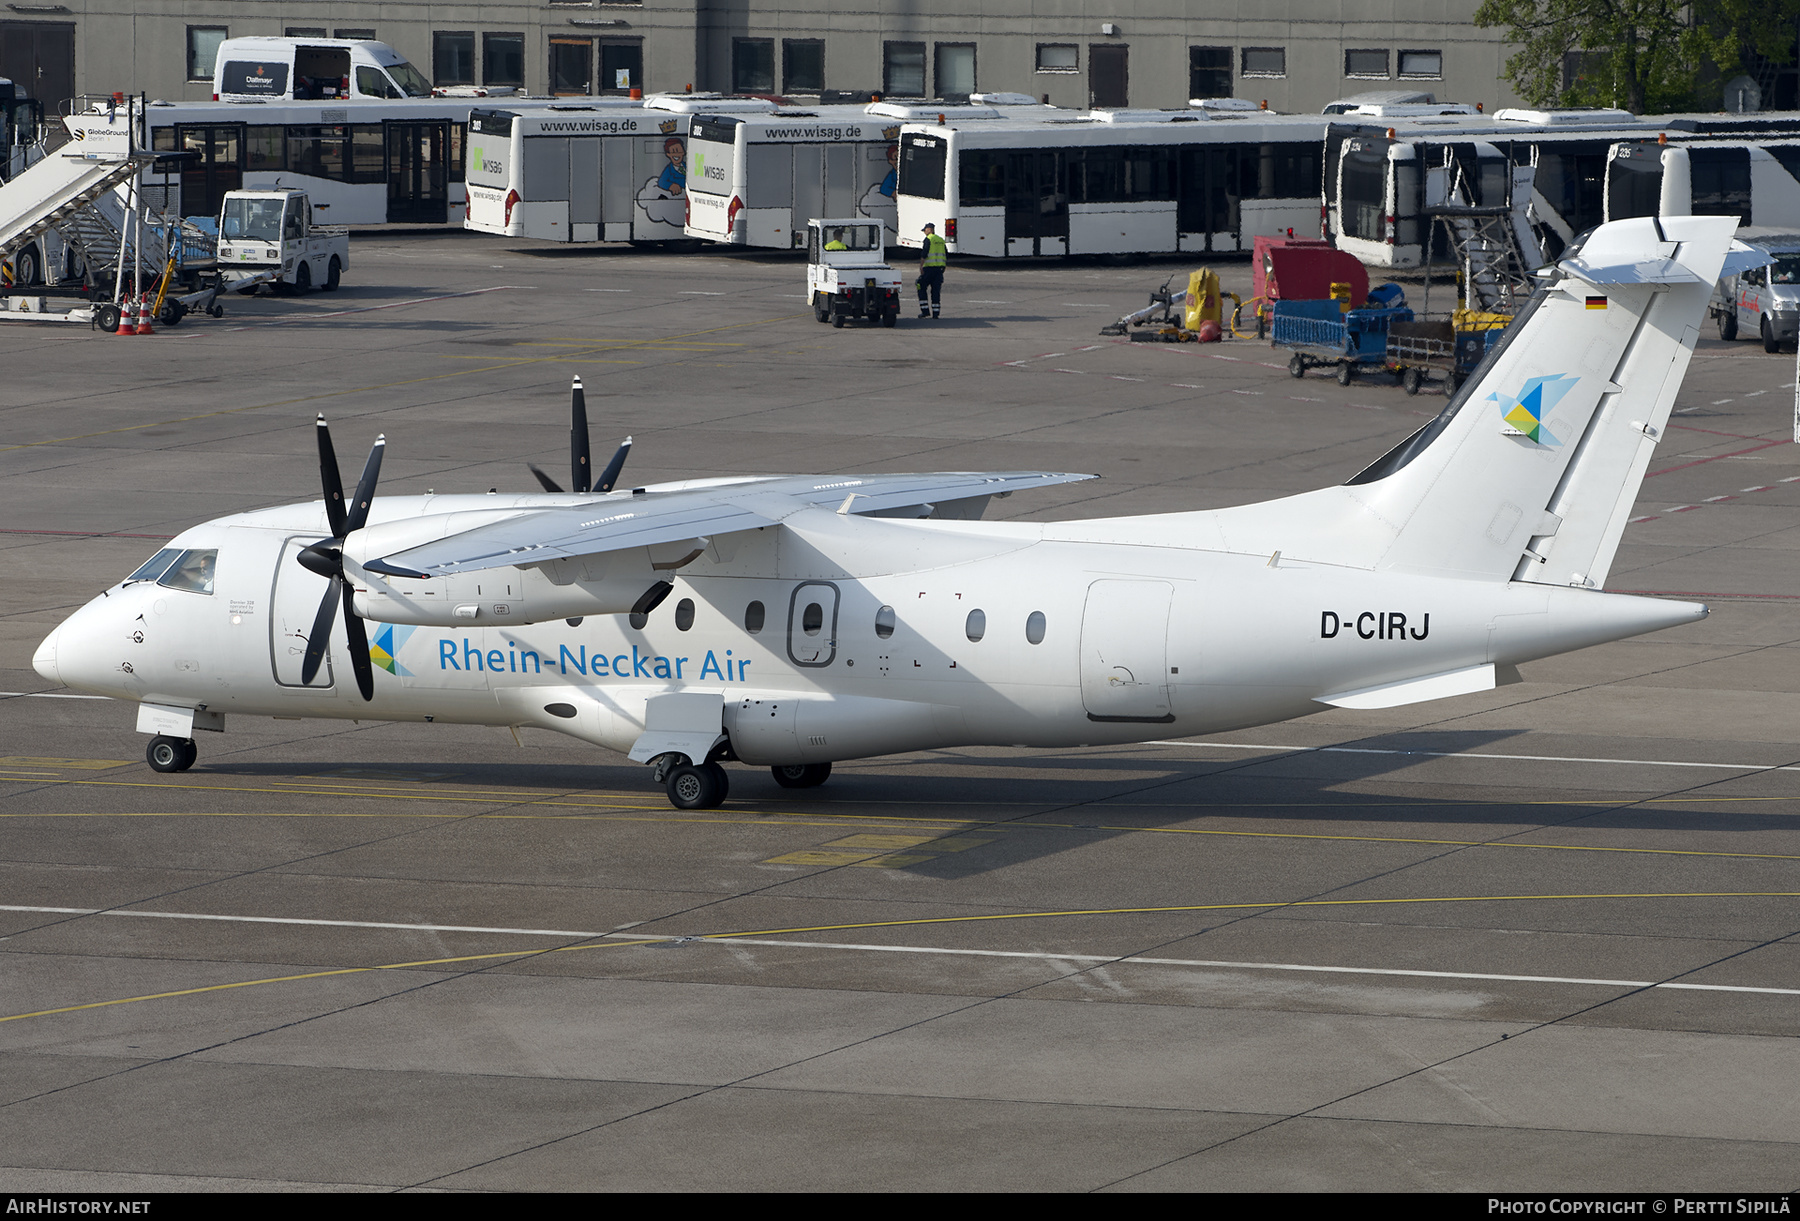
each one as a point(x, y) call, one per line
point(606, 170)
point(1381, 177)
point(370, 161)
point(1755, 180)
point(757, 181)
point(1112, 182)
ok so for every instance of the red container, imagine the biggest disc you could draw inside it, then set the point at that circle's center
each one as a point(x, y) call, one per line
point(1304, 269)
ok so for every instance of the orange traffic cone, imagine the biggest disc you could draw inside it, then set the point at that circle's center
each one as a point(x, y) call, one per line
point(127, 318)
point(145, 309)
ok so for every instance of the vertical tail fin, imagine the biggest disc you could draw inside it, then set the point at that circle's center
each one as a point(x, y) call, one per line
point(1530, 473)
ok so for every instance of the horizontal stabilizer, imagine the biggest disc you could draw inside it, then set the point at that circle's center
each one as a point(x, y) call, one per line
point(1465, 681)
point(621, 521)
point(1629, 252)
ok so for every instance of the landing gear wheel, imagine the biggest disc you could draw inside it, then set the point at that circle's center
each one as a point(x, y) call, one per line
point(303, 277)
point(1410, 380)
point(697, 788)
point(1345, 370)
point(1296, 365)
point(333, 274)
point(1770, 343)
point(1728, 324)
point(800, 775)
point(106, 316)
point(821, 312)
point(166, 754)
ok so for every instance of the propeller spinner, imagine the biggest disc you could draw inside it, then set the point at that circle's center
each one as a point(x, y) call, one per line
point(326, 558)
point(580, 459)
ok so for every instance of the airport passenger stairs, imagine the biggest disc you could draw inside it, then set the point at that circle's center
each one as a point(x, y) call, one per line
point(1493, 244)
point(72, 192)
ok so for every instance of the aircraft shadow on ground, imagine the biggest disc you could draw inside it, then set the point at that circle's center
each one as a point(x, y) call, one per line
point(1109, 792)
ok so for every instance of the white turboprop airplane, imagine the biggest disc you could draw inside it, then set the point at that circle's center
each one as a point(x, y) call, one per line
point(791, 622)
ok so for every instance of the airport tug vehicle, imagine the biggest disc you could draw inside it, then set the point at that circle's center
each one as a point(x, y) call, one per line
point(847, 274)
point(269, 236)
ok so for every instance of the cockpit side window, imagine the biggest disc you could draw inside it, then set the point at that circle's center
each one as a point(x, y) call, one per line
point(155, 566)
point(192, 572)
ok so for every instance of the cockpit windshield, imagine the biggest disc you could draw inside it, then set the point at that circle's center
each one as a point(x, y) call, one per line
point(190, 570)
point(258, 219)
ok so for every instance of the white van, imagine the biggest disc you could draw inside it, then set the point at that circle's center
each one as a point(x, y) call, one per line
point(313, 69)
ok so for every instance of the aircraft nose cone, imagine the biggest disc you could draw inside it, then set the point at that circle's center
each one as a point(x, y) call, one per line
point(44, 660)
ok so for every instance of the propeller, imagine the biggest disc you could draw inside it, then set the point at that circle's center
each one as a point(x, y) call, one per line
point(580, 460)
point(326, 558)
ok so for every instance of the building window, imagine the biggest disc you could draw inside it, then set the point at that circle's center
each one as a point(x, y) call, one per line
point(571, 66)
point(621, 66)
point(753, 65)
point(503, 60)
point(203, 50)
point(1366, 64)
point(802, 65)
point(362, 34)
point(903, 69)
point(304, 31)
point(1058, 57)
point(954, 69)
point(453, 58)
point(1265, 61)
point(1422, 64)
point(1209, 72)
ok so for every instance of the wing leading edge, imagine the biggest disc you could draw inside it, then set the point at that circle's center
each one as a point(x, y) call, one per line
point(619, 522)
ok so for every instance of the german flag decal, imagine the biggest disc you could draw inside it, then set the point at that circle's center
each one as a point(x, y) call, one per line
point(1596, 302)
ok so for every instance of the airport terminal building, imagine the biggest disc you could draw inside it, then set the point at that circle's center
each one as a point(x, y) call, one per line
point(1297, 55)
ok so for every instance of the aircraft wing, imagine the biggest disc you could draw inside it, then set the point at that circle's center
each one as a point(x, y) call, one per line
point(616, 522)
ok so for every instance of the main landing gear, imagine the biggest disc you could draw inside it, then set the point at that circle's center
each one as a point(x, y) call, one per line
point(801, 775)
point(171, 754)
point(696, 786)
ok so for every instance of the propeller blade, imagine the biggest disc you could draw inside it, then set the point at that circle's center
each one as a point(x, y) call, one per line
point(322, 558)
point(328, 476)
point(549, 483)
point(358, 642)
point(581, 467)
point(319, 639)
point(365, 489)
point(610, 475)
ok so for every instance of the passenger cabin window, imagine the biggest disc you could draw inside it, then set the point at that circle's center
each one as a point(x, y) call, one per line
point(684, 614)
point(754, 615)
point(884, 622)
point(1034, 628)
point(976, 627)
point(812, 619)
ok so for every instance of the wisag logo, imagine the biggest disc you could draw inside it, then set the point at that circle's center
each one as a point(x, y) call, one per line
point(384, 650)
point(1527, 413)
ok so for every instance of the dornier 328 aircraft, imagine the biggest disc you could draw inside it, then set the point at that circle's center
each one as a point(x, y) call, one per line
point(792, 622)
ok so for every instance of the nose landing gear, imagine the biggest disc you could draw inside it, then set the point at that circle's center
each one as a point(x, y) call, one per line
point(166, 754)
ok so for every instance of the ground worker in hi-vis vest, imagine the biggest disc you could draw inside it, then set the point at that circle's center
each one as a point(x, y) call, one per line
point(931, 270)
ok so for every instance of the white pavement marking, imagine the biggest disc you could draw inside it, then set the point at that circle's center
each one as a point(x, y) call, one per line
point(369, 309)
point(1472, 754)
point(948, 951)
point(697, 292)
point(606, 290)
point(417, 928)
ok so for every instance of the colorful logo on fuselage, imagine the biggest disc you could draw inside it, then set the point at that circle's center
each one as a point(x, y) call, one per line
point(384, 650)
point(1528, 411)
